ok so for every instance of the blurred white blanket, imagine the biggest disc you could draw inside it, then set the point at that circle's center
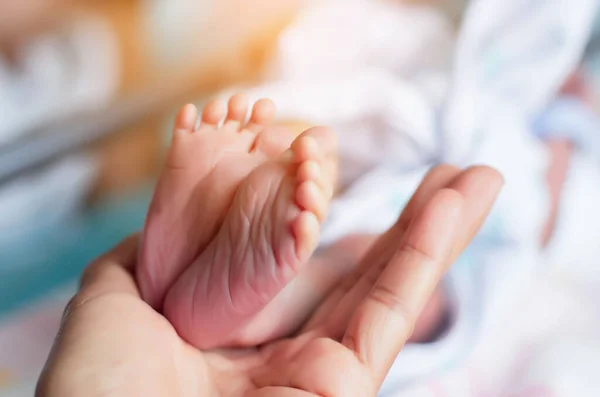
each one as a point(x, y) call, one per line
point(58, 75)
point(399, 109)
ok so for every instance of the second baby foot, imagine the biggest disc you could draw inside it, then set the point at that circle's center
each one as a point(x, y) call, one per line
point(268, 234)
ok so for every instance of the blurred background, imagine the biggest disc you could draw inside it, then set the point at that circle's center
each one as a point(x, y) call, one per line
point(89, 89)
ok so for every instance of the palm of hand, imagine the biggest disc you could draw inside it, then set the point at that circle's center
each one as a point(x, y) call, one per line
point(345, 349)
point(160, 363)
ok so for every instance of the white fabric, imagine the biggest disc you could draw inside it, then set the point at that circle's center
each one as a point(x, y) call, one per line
point(511, 55)
point(510, 59)
point(58, 75)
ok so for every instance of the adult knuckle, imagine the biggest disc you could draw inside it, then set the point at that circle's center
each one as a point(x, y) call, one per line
point(392, 302)
point(418, 255)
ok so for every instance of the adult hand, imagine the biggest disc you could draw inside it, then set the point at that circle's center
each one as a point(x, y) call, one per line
point(111, 343)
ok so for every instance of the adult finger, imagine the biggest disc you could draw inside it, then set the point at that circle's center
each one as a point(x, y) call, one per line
point(437, 178)
point(384, 321)
point(479, 187)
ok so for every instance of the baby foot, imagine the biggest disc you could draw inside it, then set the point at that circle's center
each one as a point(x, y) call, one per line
point(203, 170)
point(268, 234)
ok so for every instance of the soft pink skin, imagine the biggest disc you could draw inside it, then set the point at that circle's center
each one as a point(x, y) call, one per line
point(191, 191)
point(183, 218)
point(259, 214)
point(261, 296)
point(241, 270)
point(107, 323)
